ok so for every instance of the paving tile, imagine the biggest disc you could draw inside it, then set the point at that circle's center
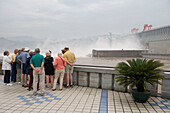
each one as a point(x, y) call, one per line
point(78, 99)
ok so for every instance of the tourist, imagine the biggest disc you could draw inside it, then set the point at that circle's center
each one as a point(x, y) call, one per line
point(18, 67)
point(37, 63)
point(70, 58)
point(13, 65)
point(60, 64)
point(63, 51)
point(31, 54)
point(49, 69)
point(23, 59)
point(6, 66)
point(65, 75)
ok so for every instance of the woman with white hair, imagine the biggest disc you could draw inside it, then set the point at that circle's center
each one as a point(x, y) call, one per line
point(49, 69)
point(60, 64)
point(6, 66)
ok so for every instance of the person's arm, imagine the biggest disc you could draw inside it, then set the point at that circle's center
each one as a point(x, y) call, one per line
point(55, 62)
point(52, 59)
point(74, 60)
point(12, 58)
point(65, 57)
point(7, 59)
point(72, 64)
point(34, 68)
point(16, 60)
point(42, 65)
point(31, 64)
point(65, 63)
point(19, 58)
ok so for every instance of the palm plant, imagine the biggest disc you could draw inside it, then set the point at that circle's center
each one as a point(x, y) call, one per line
point(138, 72)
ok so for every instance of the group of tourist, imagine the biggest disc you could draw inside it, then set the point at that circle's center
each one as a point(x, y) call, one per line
point(24, 62)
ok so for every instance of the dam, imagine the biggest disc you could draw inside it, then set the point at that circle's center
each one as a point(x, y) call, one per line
point(98, 71)
point(156, 44)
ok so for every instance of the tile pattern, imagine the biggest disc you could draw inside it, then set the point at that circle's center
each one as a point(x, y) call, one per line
point(16, 99)
point(29, 99)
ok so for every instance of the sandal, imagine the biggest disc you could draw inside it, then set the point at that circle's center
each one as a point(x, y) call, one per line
point(53, 89)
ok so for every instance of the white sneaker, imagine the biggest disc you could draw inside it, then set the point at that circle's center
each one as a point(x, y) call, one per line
point(9, 84)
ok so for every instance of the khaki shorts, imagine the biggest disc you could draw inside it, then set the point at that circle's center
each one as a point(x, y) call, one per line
point(69, 69)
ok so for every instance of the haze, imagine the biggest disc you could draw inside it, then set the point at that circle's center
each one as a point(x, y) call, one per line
point(68, 19)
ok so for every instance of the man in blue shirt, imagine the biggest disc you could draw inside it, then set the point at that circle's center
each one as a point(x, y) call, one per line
point(23, 59)
point(37, 63)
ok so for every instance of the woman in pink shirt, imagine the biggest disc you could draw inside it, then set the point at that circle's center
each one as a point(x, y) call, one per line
point(60, 64)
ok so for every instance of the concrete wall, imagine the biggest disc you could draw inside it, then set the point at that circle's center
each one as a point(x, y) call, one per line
point(159, 47)
point(156, 56)
point(104, 78)
point(157, 34)
point(96, 77)
point(158, 50)
point(117, 53)
point(165, 92)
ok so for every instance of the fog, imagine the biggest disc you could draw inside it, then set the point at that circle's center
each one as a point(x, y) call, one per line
point(83, 47)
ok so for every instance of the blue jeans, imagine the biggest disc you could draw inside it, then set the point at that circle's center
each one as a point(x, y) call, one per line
point(13, 72)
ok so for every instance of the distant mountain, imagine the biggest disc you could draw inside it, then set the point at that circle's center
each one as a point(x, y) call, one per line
point(10, 45)
point(23, 38)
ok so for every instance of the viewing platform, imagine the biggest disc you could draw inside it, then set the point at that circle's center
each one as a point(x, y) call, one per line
point(16, 99)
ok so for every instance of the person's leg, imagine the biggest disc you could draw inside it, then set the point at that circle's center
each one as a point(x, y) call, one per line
point(12, 72)
point(67, 74)
point(42, 82)
point(47, 80)
point(5, 77)
point(23, 74)
point(35, 81)
point(22, 79)
point(56, 78)
point(38, 86)
point(17, 76)
point(71, 81)
point(51, 78)
point(8, 76)
point(15, 72)
point(31, 80)
point(65, 79)
point(71, 76)
point(61, 79)
point(26, 77)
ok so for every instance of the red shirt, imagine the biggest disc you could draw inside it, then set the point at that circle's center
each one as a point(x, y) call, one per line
point(60, 63)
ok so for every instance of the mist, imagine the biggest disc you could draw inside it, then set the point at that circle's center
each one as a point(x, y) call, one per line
point(83, 47)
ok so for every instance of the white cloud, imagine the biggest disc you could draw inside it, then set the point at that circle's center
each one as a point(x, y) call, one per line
point(78, 18)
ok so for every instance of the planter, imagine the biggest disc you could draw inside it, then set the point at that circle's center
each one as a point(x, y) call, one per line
point(141, 97)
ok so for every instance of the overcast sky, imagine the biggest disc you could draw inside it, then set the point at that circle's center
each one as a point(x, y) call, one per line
point(63, 19)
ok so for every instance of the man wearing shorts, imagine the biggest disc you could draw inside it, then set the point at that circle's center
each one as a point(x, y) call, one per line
point(23, 59)
point(70, 58)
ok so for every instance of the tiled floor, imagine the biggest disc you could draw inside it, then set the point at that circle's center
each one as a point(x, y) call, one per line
point(16, 99)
